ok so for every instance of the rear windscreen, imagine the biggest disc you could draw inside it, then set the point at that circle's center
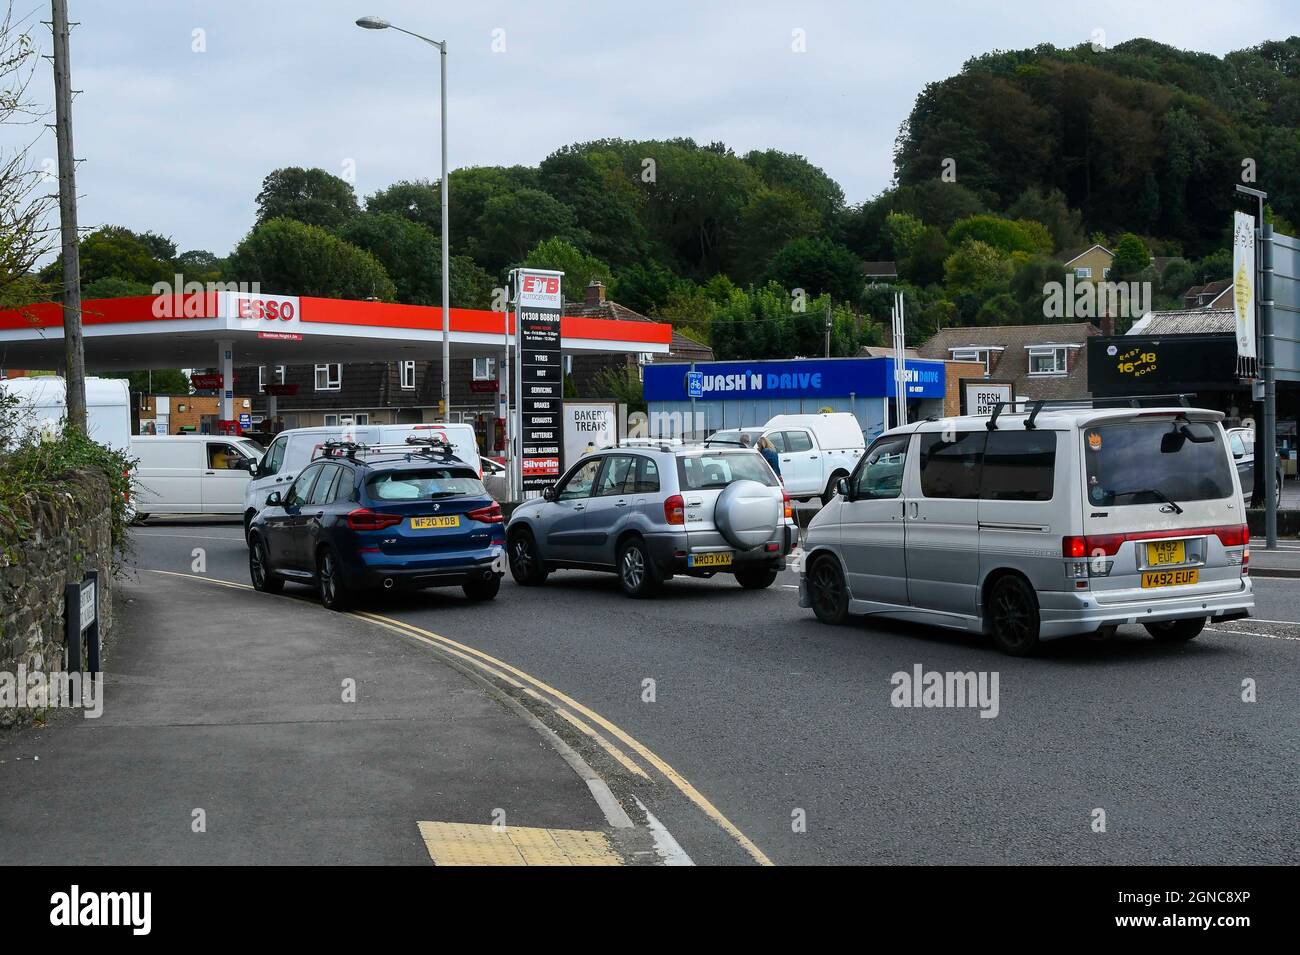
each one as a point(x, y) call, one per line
point(717, 469)
point(423, 483)
point(1154, 462)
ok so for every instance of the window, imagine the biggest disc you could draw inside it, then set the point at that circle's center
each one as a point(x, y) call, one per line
point(1083, 272)
point(982, 355)
point(261, 376)
point(224, 457)
point(717, 469)
point(1234, 441)
point(320, 492)
point(1047, 360)
point(331, 421)
point(301, 488)
point(580, 481)
point(273, 457)
point(1105, 273)
point(329, 377)
point(614, 479)
point(951, 469)
point(1153, 462)
point(1019, 466)
point(647, 476)
point(361, 418)
point(880, 476)
point(424, 484)
point(485, 369)
point(797, 441)
point(408, 375)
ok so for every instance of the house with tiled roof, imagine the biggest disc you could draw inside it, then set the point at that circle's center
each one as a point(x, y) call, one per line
point(1091, 264)
point(1042, 361)
point(880, 271)
point(1212, 295)
point(1197, 321)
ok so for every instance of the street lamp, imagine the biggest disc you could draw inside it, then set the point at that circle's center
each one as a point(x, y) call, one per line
point(377, 23)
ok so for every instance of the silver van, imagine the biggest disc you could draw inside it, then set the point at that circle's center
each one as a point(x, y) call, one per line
point(1041, 523)
point(650, 513)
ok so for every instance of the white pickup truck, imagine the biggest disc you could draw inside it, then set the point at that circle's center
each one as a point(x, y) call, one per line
point(814, 450)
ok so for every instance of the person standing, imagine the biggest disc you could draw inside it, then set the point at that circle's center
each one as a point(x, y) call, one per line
point(768, 450)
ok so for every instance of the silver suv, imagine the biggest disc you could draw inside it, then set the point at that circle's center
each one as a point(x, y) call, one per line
point(649, 513)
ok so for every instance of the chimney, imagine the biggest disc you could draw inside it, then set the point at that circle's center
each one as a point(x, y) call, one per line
point(595, 294)
point(1108, 325)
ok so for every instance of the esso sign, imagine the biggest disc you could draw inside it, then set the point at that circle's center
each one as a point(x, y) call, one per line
point(270, 309)
point(246, 307)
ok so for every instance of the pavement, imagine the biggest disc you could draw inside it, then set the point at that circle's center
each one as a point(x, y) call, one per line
point(749, 720)
point(226, 738)
point(1284, 561)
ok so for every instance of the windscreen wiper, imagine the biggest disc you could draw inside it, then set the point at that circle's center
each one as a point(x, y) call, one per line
point(1158, 494)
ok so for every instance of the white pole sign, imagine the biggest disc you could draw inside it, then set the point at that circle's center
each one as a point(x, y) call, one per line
point(1243, 291)
point(589, 426)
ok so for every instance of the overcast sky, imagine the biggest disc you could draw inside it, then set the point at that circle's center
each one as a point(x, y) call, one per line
point(177, 141)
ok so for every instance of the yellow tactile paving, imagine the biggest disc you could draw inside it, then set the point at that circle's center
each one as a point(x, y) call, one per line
point(461, 843)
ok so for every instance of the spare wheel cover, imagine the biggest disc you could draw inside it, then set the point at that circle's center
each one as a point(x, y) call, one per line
point(747, 513)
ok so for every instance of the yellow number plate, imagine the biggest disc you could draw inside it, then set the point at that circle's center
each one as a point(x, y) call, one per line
point(1166, 552)
point(424, 523)
point(1169, 578)
point(711, 560)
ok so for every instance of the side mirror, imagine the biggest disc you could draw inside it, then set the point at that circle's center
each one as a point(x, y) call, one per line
point(842, 488)
point(548, 492)
point(273, 499)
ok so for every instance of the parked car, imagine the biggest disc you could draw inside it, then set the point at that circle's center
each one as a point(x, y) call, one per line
point(815, 450)
point(1241, 442)
point(294, 449)
point(1039, 524)
point(365, 519)
point(647, 514)
point(191, 473)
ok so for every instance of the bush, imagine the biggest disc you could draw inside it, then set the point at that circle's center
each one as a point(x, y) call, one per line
point(34, 463)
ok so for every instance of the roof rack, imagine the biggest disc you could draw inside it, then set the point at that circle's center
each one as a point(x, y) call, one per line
point(423, 447)
point(1035, 405)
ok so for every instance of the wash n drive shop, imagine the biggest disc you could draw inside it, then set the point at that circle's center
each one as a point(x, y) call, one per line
point(742, 394)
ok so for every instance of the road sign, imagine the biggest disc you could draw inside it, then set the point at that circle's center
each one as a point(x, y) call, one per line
point(695, 384)
point(540, 378)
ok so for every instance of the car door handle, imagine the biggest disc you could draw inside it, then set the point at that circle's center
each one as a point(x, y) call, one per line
point(580, 507)
point(915, 510)
point(620, 503)
point(812, 457)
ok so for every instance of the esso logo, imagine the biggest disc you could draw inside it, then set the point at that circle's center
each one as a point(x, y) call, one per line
point(542, 284)
point(270, 309)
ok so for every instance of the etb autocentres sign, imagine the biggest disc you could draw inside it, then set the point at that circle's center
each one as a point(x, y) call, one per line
point(539, 303)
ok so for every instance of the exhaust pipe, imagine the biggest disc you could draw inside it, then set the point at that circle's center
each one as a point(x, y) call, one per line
point(388, 583)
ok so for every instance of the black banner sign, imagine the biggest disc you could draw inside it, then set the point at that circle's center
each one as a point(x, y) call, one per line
point(541, 378)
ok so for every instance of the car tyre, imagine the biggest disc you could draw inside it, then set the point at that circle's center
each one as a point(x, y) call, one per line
point(334, 593)
point(1013, 616)
point(636, 571)
point(827, 590)
point(248, 524)
point(482, 588)
point(757, 578)
point(259, 569)
point(1176, 631)
point(829, 494)
point(526, 565)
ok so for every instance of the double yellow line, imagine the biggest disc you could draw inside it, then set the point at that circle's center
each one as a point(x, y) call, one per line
point(517, 678)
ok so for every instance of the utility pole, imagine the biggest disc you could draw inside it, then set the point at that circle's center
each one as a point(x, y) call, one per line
point(73, 347)
point(828, 331)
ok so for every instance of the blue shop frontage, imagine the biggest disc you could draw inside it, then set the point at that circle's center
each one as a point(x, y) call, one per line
point(694, 400)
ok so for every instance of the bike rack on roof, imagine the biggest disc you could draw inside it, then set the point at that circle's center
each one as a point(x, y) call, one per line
point(1035, 405)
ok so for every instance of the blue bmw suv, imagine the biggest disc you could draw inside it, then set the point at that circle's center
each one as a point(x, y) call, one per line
point(374, 518)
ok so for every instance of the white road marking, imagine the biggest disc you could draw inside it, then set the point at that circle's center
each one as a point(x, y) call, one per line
point(668, 848)
point(1252, 633)
point(193, 537)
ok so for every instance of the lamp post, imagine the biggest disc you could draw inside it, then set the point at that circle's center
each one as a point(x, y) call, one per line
point(376, 23)
point(1268, 372)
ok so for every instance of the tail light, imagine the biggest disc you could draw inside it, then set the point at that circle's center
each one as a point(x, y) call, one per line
point(1098, 545)
point(787, 504)
point(364, 519)
point(675, 510)
point(487, 515)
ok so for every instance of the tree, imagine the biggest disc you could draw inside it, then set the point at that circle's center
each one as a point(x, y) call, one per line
point(621, 384)
point(418, 200)
point(579, 270)
point(771, 219)
point(601, 204)
point(198, 265)
point(412, 257)
point(313, 196)
point(817, 266)
point(1132, 257)
point(904, 232)
point(1027, 284)
point(975, 265)
point(514, 222)
point(1049, 206)
point(293, 258)
point(644, 286)
point(924, 266)
point(1001, 234)
point(115, 252)
point(158, 381)
point(110, 286)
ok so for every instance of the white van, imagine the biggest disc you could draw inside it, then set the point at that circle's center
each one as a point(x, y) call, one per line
point(814, 450)
point(192, 473)
point(43, 405)
point(1042, 523)
point(293, 449)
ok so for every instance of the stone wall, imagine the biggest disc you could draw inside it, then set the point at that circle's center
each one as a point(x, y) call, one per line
point(68, 532)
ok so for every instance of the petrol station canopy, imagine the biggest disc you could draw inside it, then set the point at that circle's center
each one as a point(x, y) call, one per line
point(195, 330)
